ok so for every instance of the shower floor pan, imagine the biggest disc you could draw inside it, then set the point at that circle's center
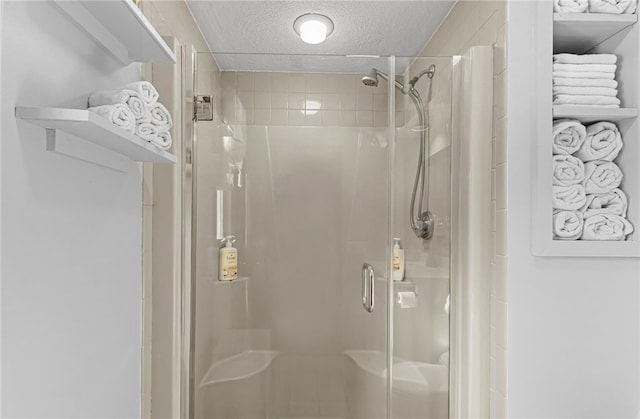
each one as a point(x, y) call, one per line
point(238, 367)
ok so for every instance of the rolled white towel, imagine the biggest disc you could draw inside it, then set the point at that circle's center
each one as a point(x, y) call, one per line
point(126, 97)
point(146, 90)
point(577, 82)
point(570, 6)
point(163, 140)
point(570, 198)
point(568, 136)
point(614, 202)
point(579, 100)
point(601, 177)
point(609, 227)
point(160, 117)
point(585, 58)
point(603, 142)
point(567, 225)
point(586, 90)
point(147, 131)
point(567, 170)
point(584, 75)
point(579, 68)
point(612, 6)
point(119, 115)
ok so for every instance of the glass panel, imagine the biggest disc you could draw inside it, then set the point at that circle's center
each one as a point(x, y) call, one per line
point(420, 311)
point(295, 166)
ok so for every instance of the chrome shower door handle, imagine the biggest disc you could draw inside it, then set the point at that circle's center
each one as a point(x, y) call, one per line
point(368, 287)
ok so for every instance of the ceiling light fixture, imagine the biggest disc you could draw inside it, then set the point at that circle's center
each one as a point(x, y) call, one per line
point(313, 28)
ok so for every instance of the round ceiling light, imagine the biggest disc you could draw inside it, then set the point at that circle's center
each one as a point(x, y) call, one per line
point(313, 28)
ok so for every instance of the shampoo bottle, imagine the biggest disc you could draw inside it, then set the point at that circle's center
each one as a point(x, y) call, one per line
point(228, 260)
point(397, 260)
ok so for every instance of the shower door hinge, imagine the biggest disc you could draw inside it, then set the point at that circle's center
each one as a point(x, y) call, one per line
point(203, 108)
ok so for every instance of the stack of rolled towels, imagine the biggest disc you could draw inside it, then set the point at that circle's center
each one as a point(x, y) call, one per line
point(595, 6)
point(136, 109)
point(585, 80)
point(588, 203)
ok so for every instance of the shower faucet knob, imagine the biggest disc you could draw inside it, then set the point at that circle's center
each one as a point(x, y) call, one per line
point(424, 226)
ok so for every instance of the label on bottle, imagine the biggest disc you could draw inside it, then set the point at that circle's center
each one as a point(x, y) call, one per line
point(230, 265)
point(395, 261)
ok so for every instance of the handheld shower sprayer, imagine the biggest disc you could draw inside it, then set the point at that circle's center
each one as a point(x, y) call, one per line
point(423, 224)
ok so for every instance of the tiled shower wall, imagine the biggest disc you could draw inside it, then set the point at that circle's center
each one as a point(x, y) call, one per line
point(262, 98)
point(472, 23)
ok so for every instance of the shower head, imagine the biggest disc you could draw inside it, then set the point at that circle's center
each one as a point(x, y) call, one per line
point(371, 78)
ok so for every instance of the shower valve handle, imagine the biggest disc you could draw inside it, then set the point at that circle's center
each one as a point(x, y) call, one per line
point(423, 226)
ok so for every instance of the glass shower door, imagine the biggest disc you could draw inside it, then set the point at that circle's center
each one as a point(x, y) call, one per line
point(299, 334)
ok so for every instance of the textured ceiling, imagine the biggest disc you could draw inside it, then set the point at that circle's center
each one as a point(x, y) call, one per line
point(259, 35)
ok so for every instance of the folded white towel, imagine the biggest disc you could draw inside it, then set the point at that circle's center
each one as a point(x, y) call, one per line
point(585, 58)
point(584, 75)
point(568, 136)
point(567, 225)
point(570, 6)
point(126, 97)
point(561, 81)
point(567, 170)
point(160, 117)
point(608, 227)
point(570, 198)
point(146, 90)
point(162, 140)
point(614, 202)
point(593, 100)
point(601, 176)
point(603, 142)
point(147, 131)
point(586, 90)
point(612, 6)
point(119, 115)
point(579, 68)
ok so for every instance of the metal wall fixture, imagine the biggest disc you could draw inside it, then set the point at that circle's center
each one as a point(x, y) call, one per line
point(203, 108)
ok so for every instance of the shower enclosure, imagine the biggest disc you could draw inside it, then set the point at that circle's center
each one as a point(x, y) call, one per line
point(313, 173)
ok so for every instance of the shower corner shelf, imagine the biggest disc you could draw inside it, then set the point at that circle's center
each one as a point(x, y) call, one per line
point(120, 28)
point(239, 279)
point(93, 128)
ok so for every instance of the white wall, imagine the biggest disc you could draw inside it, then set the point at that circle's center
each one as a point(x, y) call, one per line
point(573, 322)
point(71, 242)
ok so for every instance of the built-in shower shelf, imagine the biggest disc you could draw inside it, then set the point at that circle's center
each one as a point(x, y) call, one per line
point(239, 279)
point(579, 32)
point(587, 114)
point(120, 28)
point(93, 128)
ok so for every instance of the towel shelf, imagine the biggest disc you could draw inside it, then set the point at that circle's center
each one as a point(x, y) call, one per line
point(120, 28)
point(590, 33)
point(579, 32)
point(588, 114)
point(95, 129)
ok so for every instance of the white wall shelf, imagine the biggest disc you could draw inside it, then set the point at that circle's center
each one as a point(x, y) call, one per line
point(120, 28)
point(589, 114)
point(579, 32)
point(95, 129)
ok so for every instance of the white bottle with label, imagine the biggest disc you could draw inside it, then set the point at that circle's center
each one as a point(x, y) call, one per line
point(228, 260)
point(397, 260)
